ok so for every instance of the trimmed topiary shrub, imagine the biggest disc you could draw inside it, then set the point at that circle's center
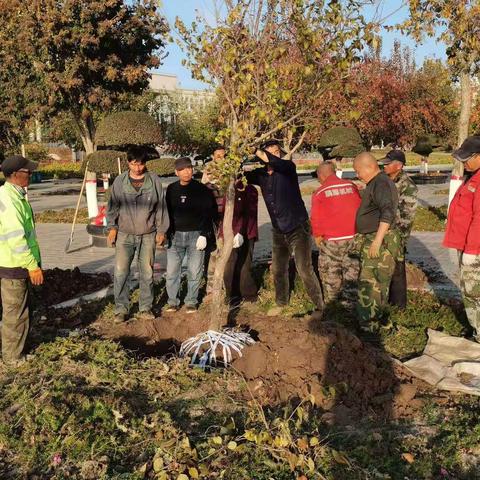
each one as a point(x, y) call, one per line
point(423, 146)
point(128, 128)
point(36, 152)
point(340, 142)
point(428, 143)
point(339, 136)
point(347, 150)
point(105, 161)
point(163, 167)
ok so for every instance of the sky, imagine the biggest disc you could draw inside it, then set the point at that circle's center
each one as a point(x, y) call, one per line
point(187, 10)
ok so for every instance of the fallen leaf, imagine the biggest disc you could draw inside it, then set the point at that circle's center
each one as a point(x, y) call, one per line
point(193, 472)
point(408, 457)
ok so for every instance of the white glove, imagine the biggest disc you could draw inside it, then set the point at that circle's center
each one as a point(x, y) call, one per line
point(469, 259)
point(237, 240)
point(201, 242)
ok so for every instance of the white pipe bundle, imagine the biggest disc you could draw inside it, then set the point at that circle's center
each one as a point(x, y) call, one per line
point(203, 347)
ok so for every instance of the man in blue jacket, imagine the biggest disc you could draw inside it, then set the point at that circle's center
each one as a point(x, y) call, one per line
point(291, 231)
point(137, 219)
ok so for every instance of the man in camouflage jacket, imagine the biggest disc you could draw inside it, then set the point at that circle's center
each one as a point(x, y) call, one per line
point(407, 205)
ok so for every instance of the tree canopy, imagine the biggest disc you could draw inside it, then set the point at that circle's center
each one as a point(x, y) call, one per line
point(75, 56)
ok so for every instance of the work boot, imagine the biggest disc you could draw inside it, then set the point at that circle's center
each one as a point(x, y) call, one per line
point(145, 315)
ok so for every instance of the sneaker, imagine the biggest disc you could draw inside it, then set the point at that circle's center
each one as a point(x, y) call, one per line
point(171, 309)
point(145, 315)
point(190, 309)
point(119, 318)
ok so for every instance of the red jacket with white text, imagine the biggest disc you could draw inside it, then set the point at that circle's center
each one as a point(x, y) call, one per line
point(334, 207)
point(463, 222)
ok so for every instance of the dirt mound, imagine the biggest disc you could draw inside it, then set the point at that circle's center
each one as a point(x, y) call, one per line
point(416, 278)
point(163, 336)
point(61, 285)
point(292, 359)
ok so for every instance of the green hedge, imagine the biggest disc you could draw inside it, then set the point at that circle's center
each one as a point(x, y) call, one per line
point(61, 170)
point(128, 128)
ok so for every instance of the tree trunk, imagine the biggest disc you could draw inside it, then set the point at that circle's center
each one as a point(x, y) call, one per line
point(218, 313)
point(463, 127)
point(87, 131)
point(91, 193)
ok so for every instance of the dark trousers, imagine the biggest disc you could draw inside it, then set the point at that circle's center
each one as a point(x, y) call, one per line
point(299, 244)
point(238, 272)
point(398, 285)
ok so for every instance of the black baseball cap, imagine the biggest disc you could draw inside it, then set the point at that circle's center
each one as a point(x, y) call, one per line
point(183, 162)
point(394, 156)
point(271, 143)
point(15, 163)
point(469, 147)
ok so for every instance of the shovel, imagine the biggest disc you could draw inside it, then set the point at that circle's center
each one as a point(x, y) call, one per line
point(70, 240)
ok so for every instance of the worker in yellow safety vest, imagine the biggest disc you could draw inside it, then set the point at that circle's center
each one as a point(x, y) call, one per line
point(19, 257)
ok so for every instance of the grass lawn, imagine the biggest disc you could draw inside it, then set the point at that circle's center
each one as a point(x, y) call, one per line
point(436, 158)
point(86, 408)
point(431, 219)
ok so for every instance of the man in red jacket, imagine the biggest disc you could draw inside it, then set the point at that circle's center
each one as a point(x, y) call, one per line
point(463, 230)
point(334, 207)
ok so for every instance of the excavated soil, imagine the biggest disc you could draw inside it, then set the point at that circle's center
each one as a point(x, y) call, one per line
point(61, 285)
point(416, 277)
point(293, 359)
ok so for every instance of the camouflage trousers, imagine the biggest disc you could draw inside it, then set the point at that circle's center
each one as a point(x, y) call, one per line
point(376, 275)
point(470, 286)
point(15, 318)
point(338, 270)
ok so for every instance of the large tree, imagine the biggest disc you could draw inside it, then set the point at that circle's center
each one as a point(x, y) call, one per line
point(76, 56)
point(268, 59)
point(457, 23)
point(390, 100)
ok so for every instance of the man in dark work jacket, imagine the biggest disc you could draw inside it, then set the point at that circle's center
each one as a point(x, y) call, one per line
point(380, 241)
point(291, 230)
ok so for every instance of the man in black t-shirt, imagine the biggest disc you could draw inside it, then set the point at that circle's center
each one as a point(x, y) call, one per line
point(192, 209)
point(380, 241)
